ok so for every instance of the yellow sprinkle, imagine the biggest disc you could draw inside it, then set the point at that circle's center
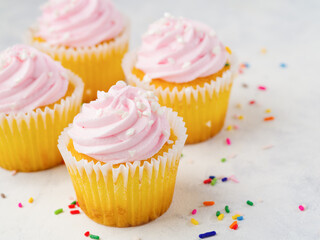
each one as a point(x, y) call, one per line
point(268, 110)
point(30, 200)
point(229, 128)
point(220, 217)
point(239, 105)
point(228, 50)
point(234, 217)
point(263, 50)
point(194, 222)
point(240, 117)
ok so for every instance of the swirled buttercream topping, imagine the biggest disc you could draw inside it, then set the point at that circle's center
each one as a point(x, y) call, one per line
point(29, 79)
point(124, 124)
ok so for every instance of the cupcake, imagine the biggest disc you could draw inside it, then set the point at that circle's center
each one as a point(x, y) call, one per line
point(122, 152)
point(38, 99)
point(89, 37)
point(189, 69)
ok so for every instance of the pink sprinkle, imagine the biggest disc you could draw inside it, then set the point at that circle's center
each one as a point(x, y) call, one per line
point(194, 211)
point(228, 141)
point(20, 205)
point(252, 102)
point(236, 127)
point(232, 155)
point(233, 178)
point(301, 207)
point(262, 88)
point(14, 172)
point(267, 147)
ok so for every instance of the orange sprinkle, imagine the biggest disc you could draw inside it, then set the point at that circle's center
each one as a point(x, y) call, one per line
point(208, 203)
point(268, 119)
point(233, 224)
point(228, 50)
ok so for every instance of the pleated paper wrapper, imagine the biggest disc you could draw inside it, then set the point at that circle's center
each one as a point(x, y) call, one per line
point(28, 141)
point(203, 108)
point(129, 194)
point(99, 66)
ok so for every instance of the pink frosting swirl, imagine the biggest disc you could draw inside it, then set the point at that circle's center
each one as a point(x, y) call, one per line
point(180, 50)
point(29, 79)
point(79, 23)
point(125, 124)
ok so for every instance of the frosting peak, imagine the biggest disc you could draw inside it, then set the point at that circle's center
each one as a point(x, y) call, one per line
point(79, 23)
point(124, 124)
point(180, 50)
point(29, 79)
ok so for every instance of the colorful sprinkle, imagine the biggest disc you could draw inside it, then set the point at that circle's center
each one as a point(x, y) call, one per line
point(223, 159)
point(283, 65)
point(240, 70)
point(218, 213)
point(87, 233)
point(14, 172)
point(58, 211)
point(224, 179)
point(245, 85)
point(228, 141)
point(233, 224)
point(77, 204)
point(263, 50)
point(240, 117)
point(234, 217)
point(250, 203)
point(268, 110)
point(240, 218)
point(3, 195)
point(228, 50)
point(94, 236)
point(268, 119)
point(247, 65)
point(194, 222)
point(207, 181)
point(220, 217)
point(235, 127)
point(229, 128)
point(208, 203)
point(263, 88)
point(233, 178)
point(301, 207)
point(73, 203)
point(235, 227)
point(252, 102)
point(211, 177)
point(226, 208)
point(181, 155)
point(238, 105)
point(194, 211)
point(20, 205)
point(227, 65)
point(30, 200)
point(71, 206)
point(267, 147)
point(73, 212)
point(207, 234)
point(213, 182)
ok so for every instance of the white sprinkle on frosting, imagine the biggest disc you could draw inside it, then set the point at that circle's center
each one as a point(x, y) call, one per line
point(50, 74)
point(146, 113)
point(99, 112)
point(132, 152)
point(130, 131)
point(146, 79)
point(154, 106)
point(151, 122)
point(179, 39)
point(171, 61)
point(140, 106)
point(186, 65)
point(216, 50)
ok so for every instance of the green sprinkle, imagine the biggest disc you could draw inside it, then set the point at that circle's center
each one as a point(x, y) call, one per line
point(223, 159)
point(73, 203)
point(58, 211)
point(94, 236)
point(218, 213)
point(227, 65)
point(213, 182)
point(227, 209)
point(250, 203)
point(181, 155)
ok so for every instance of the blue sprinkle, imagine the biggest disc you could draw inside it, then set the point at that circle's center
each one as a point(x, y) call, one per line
point(207, 234)
point(224, 179)
point(240, 218)
point(247, 65)
point(212, 177)
point(283, 65)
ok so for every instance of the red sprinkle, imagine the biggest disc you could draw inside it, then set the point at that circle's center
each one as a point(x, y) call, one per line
point(268, 119)
point(233, 224)
point(75, 212)
point(77, 204)
point(207, 181)
point(208, 203)
point(228, 141)
point(87, 233)
point(262, 88)
point(72, 206)
point(235, 227)
point(252, 102)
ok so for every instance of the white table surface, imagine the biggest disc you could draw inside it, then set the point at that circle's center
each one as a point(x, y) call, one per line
point(277, 180)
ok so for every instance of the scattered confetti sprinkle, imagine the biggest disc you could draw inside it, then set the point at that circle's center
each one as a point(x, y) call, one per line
point(245, 85)
point(194, 222)
point(223, 159)
point(14, 172)
point(77, 204)
point(228, 141)
point(233, 178)
point(73, 212)
point(58, 211)
point(268, 110)
point(94, 236)
point(250, 203)
point(235, 227)
point(208, 203)
point(73, 203)
point(234, 217)
point(229, 128)
point(71, 206)
point(30, 200)
point(181, 155)
point(240, 218)
point(218, 213)
point(213, 182)
point(87, 233)
point(227, 65)
point(220, 217)
point(194, 211)
point(263, 88)
point(268, 119)
point(3, 195)
point(240, 117)
point(211, 177)
point(20, 205)
point(252, 102)
point(267, 147)
point(226, 208)
point(247, 65)
point(207, 234)
point(235, 127)
point(228, 50)
point(263, 50)
point(233, 224)
point(283, 65)
point(240, 70)
point(207, 181)
point(224, 179)
point(301, 207)
point(239, 105)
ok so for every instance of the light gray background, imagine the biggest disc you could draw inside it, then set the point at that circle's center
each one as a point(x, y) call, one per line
point(277, 180)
